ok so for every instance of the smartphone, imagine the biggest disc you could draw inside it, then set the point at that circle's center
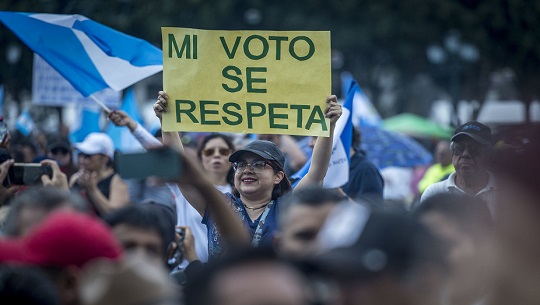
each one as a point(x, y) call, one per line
point(162, 162)
point(27, 173)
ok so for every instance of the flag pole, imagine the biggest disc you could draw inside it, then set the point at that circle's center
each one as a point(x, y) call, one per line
point(100, 103)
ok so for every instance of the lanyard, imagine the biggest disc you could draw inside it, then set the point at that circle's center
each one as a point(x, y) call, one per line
point(258, 232)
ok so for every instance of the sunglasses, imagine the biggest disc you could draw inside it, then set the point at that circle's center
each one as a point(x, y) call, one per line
point(474, 150)
point(256, 166)
point(221, 150)
point(83, 155)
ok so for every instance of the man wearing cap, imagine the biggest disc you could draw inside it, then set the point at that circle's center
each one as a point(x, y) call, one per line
point(471, 147)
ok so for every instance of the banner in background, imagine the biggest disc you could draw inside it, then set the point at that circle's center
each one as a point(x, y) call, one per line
point(265, 82)
point(49, 88)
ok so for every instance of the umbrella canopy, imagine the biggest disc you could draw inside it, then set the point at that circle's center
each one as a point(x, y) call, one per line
point(417, 126)
point(89, 55)
point(387, 148)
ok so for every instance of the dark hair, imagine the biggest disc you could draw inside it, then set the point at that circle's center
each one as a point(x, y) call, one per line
point(199, 286)
point(44, 198)
point(469, 213)
point(230, 144)
point(157, 217)
point(280, 189)
point(312, 196)
point(26, 285)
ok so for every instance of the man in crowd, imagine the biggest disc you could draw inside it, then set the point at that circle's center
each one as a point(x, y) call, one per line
point(440, 170)
point(464, 224)
point(471, 149)
point(301, 218)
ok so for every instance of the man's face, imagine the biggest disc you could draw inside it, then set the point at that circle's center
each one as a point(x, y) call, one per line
point(443, 153)
point(140, 241)
point(300, 229)
point(469, 157)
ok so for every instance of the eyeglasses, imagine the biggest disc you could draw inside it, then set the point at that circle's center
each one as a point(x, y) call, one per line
point(474, 150)
point(222, 151)
point(256, 166)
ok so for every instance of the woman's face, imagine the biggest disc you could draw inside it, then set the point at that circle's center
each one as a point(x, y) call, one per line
point(250, 183)
point(215, 157)
point(92, 162)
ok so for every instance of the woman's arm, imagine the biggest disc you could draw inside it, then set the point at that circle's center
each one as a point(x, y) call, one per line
point(172, 139)
point(121, 118)
point(323, 147)
point(118, 192)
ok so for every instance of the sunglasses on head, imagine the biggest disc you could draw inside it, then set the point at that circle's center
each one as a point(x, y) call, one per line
point(473, 149)
point(221, 150)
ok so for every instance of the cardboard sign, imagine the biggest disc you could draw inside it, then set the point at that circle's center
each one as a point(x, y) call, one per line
point(264, 82)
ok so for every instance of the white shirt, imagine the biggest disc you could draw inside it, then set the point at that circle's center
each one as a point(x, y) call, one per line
point(449, 186)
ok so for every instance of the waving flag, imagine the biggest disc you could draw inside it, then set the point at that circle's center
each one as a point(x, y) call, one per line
point(338, 169)
point(24, 123)
point(123, 140)
point(87, 54)
point(88, 122)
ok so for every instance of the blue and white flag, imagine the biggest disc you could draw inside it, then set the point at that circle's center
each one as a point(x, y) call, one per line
point(87, 54)
point(24, 123)
point(123, 140)
point(87, 122)
point(363, 111)
point(338, 168)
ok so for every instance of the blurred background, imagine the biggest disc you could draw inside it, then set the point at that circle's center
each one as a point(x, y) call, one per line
point(448, 61)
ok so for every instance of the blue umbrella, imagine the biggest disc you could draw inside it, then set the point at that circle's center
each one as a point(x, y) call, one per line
point(386, 148)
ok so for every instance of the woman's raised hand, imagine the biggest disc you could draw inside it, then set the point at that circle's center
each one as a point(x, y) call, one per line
point(161, 104)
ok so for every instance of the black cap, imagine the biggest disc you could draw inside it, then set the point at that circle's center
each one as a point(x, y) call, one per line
point(475, 130)
point(388, 242)
point(265, 149)
point(60, 144)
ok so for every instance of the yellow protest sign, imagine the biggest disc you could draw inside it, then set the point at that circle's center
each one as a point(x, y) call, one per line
point(266, 82)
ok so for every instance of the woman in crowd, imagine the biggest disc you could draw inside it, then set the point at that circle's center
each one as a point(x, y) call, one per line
point(96, 179)
point(259, 182)
point(214, 152)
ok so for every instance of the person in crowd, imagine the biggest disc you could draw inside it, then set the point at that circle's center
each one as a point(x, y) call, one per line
point(61, 245)
point(365, 180)
point(465, 225)
point(213, 153)
point(26, 285)
point(144, 229)
point(253, 276)
point(29, 208)
point(518, 171)
point(294, 156)
point(301, 217)
point(441, 169)
point(259, 181)
point(382, 258)
point(131, 281)
point(471, 149)
point(96, 179)
point(60, 151)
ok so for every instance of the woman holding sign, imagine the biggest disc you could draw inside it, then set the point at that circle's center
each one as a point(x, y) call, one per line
point(259, 181)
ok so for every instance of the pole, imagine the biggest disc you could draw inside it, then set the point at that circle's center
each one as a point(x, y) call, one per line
point(101, 104)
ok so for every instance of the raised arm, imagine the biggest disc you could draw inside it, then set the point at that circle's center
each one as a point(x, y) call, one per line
point(323, 147)
point(121, 118)
point(229, 224)
point(172, 139)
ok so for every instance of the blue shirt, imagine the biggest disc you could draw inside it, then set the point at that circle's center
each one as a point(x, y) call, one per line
point(270, 225)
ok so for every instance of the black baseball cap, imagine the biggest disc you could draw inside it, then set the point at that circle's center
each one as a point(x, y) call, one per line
point(388, 242)
point(475, 130)
point(265, 149)
point(64, 144)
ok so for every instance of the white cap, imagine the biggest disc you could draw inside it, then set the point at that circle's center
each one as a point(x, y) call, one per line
point(96, 143)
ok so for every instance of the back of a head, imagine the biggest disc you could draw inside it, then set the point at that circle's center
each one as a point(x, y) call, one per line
point(26, 285)
point(44, 199)
point(250, 265)
point(312, 196)
point(468, 213)
point(157, 217)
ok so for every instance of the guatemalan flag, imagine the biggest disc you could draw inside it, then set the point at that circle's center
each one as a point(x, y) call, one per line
point(87, 54)
point(338, 169)
point(122, 138)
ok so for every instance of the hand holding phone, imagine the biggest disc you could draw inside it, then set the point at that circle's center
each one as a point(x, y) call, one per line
point(163, 162)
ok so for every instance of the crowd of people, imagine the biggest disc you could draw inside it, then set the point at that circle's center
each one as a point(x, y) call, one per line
point(232, 229)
